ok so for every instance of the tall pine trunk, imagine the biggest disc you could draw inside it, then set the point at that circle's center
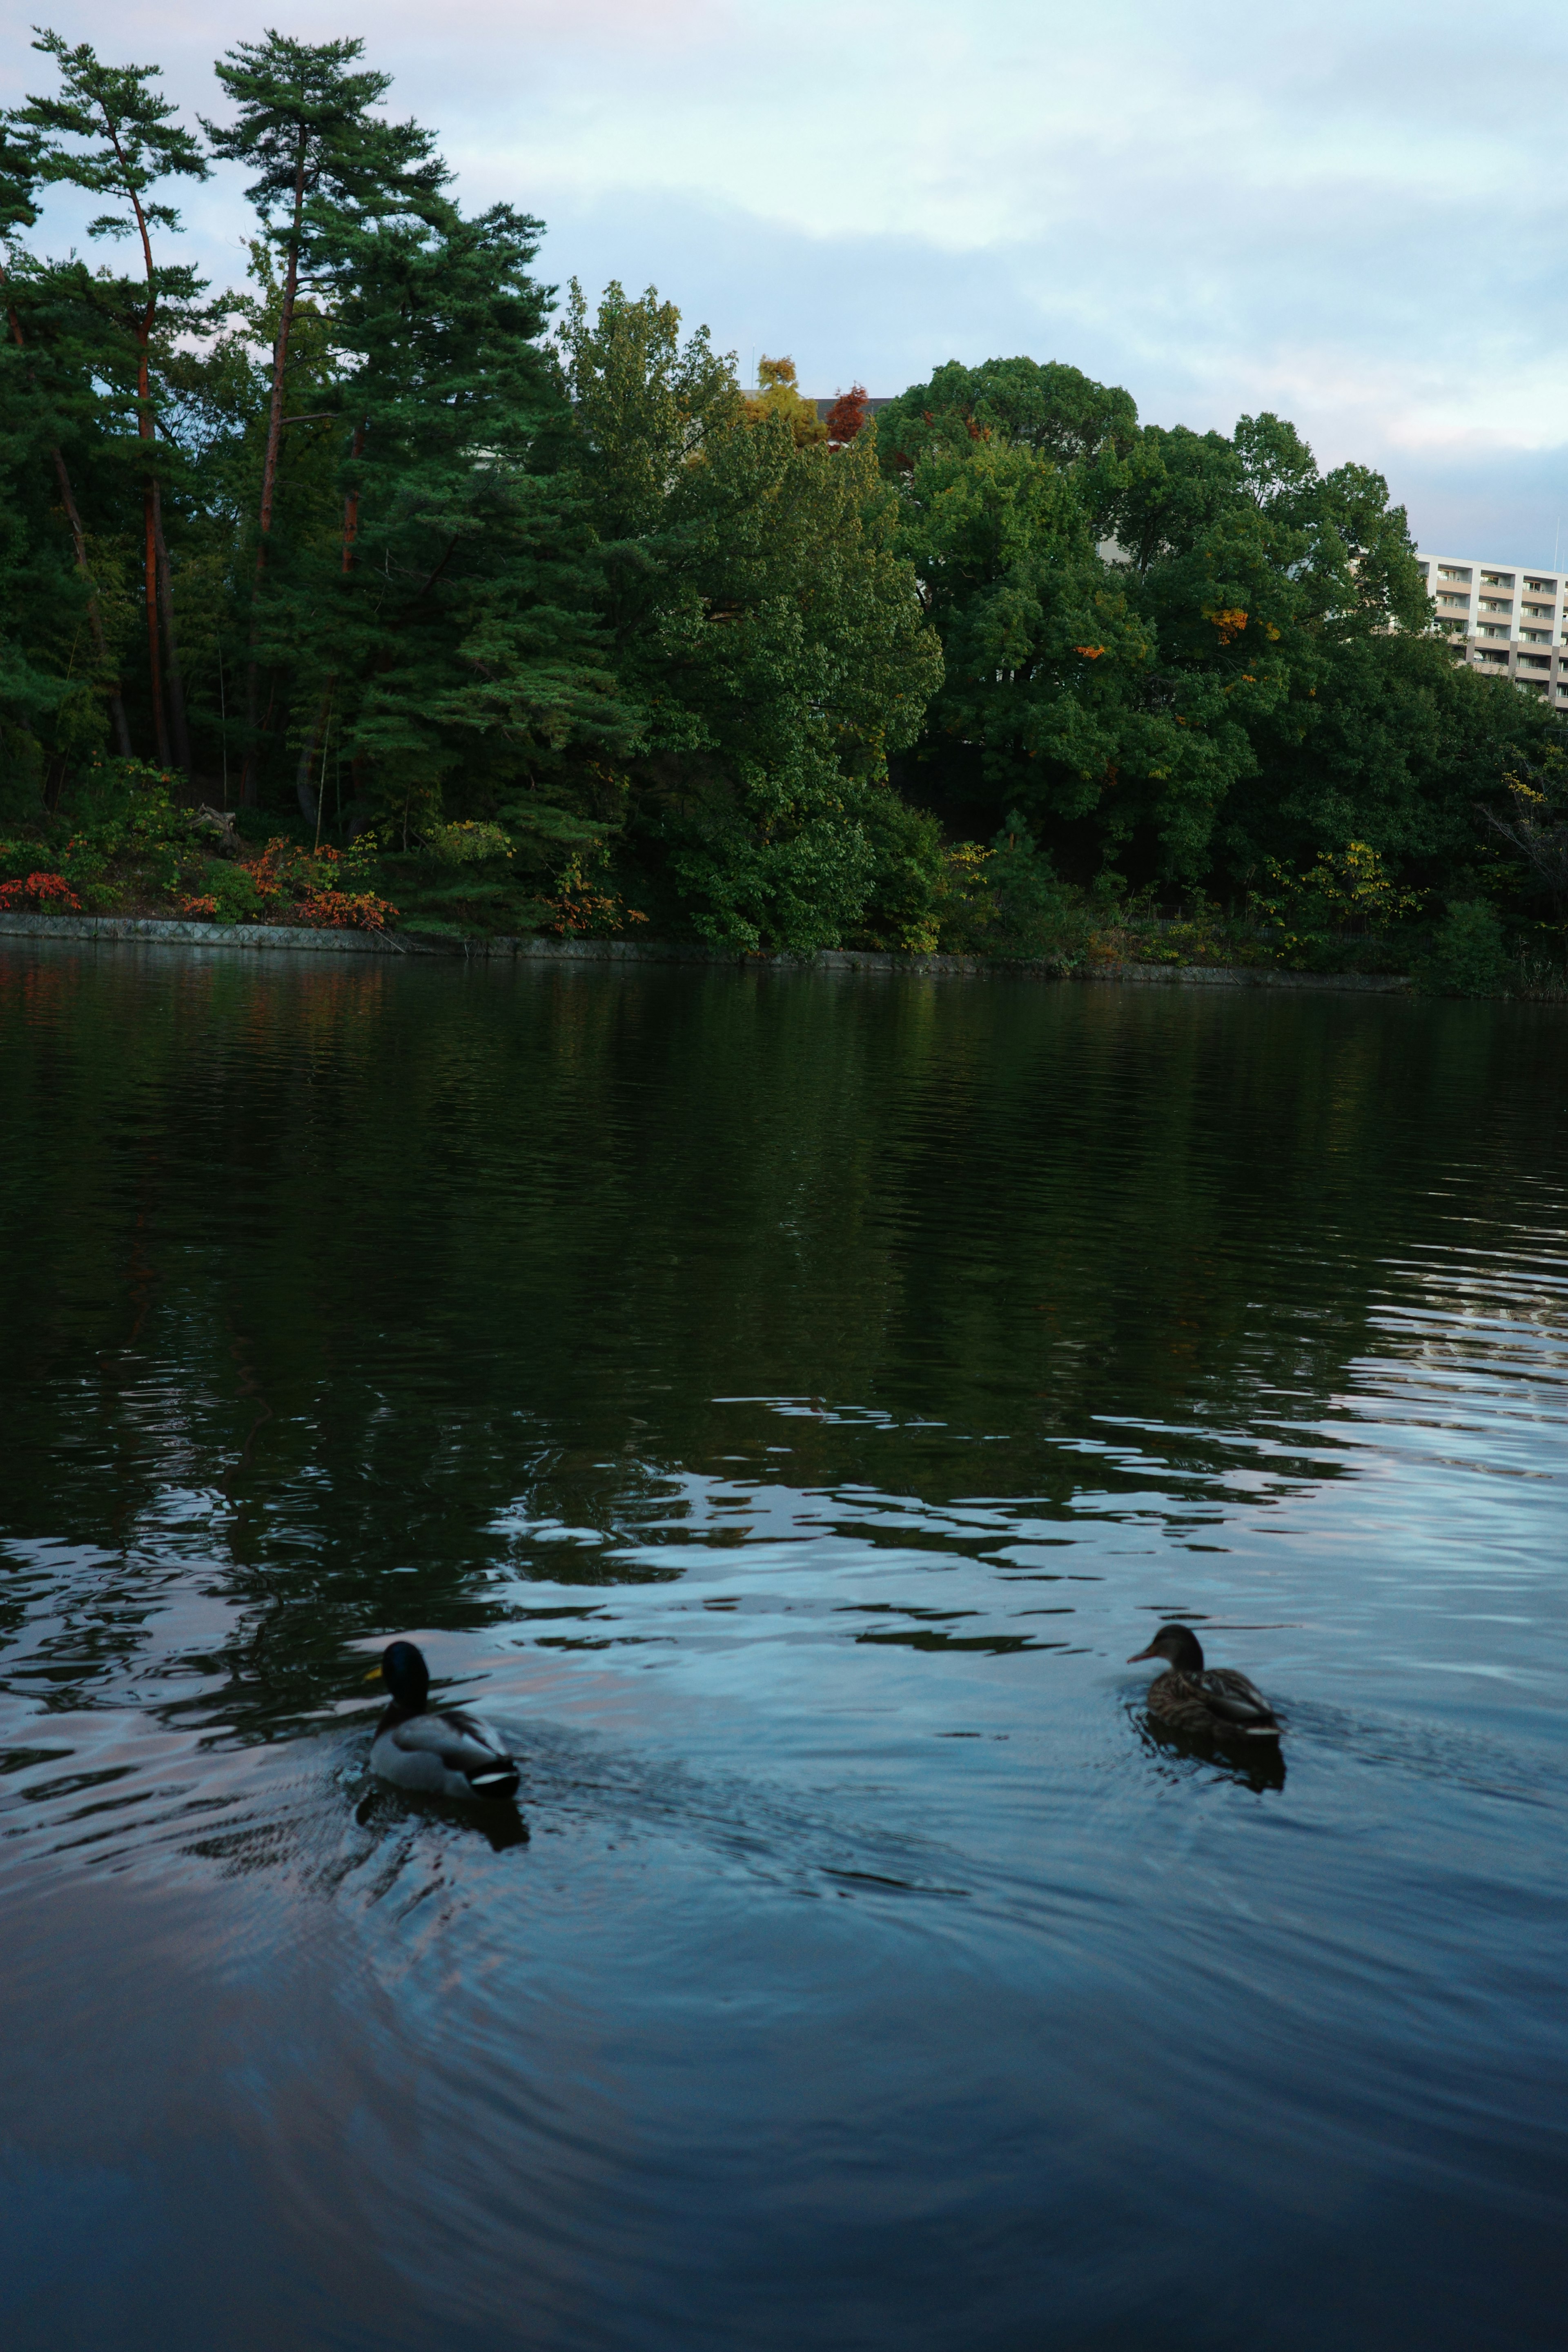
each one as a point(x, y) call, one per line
point(307, 794)
point(155, 663)
point(150, 479)
point(94, 615)
point(249, 793)
point(179, 727)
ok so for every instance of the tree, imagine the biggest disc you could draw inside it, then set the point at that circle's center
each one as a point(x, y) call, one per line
point(450, 623)
point(1060, 699)
point(779, 394)
point(36, 398)
point(645, 408)
point(321, 158)
point(847, 416)
point(1185, 653)
point(764, 622)
point(1536, 828)
point(1085, 428)
point(131, 143)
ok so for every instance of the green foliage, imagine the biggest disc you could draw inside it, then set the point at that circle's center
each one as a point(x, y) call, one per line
point(764, 621)
point(1345, 893)
point(1534, 829)
point(467, 843)
point(234, 890)
point(21, 772)
point(1240, 672)
point(1076, 425)
point(556, 626)
point(1468, 955)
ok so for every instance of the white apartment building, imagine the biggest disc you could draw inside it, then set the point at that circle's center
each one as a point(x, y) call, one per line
point(1503, 619)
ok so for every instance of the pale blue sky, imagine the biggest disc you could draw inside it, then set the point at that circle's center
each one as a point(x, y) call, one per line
point(1352, 212)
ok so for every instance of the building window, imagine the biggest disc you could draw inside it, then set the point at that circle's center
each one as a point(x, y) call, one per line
point(1453, 572)
point(1497, 603)
point(1536, 636)
point(1535, 661)
point(1452, 603)
point(1496, 579)
point(1487, 654)
point(1492, 629)
point(1542, 587)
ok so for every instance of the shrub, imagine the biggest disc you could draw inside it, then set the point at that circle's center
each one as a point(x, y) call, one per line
point(582, 910)
point(1348, 894)
point(45, 893)
point(232, 890)
point(1467, 956)
point(467, 843)
point(342, 910)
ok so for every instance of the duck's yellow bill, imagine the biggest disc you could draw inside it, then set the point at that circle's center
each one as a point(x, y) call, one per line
point(374, 1675)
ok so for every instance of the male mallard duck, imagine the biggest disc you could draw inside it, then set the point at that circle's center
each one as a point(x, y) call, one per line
point(454, 1754)
point(1215, 1703)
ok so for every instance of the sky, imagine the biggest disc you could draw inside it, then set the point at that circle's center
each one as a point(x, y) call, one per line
point(1351, 212)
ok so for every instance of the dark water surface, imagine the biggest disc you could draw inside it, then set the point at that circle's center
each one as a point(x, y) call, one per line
point(783, 1403)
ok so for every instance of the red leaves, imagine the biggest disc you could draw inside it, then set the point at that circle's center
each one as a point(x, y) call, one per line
point(845, 416)
point(343, 910)
point(50, 892)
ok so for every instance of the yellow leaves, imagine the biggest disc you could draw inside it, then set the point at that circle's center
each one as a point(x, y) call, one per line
point(1228, 623)
point(1271, 632)
point(1089, 653)
point(779, 394)
point(1351, 885)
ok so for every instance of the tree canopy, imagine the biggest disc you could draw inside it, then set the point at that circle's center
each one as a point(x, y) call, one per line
point(388, 548)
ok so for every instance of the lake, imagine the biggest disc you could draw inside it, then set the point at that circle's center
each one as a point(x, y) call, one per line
point(783, 1402)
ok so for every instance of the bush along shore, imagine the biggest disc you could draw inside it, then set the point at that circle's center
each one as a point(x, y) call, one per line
point(134, 860)
point(388, 596)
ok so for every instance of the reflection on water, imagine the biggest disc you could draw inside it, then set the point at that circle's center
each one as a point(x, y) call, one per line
point(787, 1403)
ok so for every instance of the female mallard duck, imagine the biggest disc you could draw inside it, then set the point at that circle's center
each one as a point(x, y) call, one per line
point(1215, 1703)
point(454, 1754)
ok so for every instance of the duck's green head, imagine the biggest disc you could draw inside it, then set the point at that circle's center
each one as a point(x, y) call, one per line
point(1178, 1646)
point(404, 1671)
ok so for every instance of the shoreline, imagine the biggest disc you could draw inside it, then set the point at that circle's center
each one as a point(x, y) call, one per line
point(285, 939)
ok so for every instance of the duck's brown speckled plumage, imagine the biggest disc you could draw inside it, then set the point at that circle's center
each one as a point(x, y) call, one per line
point(1204, 1702)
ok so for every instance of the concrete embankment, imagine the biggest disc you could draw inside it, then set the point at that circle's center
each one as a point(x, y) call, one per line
point(281, 939)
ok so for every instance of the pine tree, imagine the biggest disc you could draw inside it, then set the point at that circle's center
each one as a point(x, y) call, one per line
point(452, 626)
point(130, 143)
point(323, 159)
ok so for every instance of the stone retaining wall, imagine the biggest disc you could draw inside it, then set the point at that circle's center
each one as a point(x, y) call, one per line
point(265, 938)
